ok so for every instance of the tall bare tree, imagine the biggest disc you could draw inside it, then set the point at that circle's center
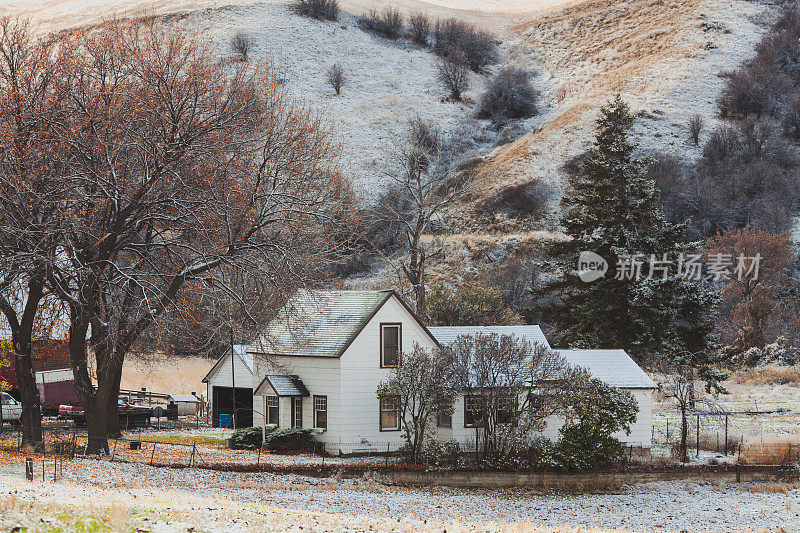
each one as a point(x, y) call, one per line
point(421, 190)
point(173, 170)
point(31, 212)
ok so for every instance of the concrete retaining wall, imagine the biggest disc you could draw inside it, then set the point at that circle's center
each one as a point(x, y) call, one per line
point(583, 481)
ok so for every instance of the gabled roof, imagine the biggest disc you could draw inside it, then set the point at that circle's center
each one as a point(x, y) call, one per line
point(283, 386)
point(447, 334)
point(184, 398)
point(241, 352)
point(321, 323)
point(615, 367)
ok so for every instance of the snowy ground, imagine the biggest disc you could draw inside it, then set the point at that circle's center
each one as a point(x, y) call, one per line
point(220, 501)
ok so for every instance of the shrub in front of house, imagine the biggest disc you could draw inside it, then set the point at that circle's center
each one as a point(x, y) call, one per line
point(600, 411)
point(433, 453)
point(291, 440)
point(246, 438)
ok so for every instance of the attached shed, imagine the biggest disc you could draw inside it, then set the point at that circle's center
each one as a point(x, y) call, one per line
point(188, 404)
point(230, 387)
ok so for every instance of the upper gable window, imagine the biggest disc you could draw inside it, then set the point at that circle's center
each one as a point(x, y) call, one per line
point(391, 335)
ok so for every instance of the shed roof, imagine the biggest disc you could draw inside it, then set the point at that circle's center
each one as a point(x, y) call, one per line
point(319, 323)
point(283, 386)
point(447, 334)
point(184, 398)
point(615, 367)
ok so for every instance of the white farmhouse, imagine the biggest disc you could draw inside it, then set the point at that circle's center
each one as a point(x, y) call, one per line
point(319, 362)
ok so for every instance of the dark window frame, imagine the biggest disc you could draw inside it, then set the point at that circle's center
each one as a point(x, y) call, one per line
point(476, 422)
point(317, 411)
point(297, 401)
point(510, 414)
point(399, 326)
point(396, 398)
point(277, 408)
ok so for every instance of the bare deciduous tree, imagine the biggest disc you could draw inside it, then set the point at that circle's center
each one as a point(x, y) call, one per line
point(424, 387)
point(241, 44)
point(453, 73)
point(512, 387)
point(695, 127)
point(31, 214)
point(336, 78)
point(174, 173)
point(423, 186)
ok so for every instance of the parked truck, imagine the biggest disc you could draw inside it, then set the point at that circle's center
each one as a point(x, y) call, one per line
point(130, 416)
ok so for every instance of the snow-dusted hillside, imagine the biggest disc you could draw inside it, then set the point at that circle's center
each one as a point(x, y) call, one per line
point(387, 82)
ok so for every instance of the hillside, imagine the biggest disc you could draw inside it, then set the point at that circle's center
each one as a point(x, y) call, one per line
point(664, 56)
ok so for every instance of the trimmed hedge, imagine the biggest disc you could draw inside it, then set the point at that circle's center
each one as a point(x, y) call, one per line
point(290, 440)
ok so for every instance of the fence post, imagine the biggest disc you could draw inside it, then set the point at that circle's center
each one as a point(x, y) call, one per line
point(113, 453)
point(29, 468)
point(386, 462)
point(726, 435)
point(191, 459)
point(153, 453)
point(698, 436)
point(258, 461)
point(667, 430)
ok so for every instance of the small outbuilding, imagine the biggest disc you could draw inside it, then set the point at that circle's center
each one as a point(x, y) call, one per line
point(230, 388)
point(188, 404)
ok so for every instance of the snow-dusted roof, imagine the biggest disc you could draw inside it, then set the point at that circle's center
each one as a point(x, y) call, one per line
point(184, 398)
point(319, 323)
point(241, 351)
point(615, 367)
point(282, 386)
point(247, 358)
point(447, 334)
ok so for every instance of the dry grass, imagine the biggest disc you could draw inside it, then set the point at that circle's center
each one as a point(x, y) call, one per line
point(168, 375)
point(768, 375)
point(771, 488)
point(770, 453)
point(609, 43)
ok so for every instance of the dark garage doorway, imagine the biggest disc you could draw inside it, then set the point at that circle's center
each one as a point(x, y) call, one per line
point(223, 404)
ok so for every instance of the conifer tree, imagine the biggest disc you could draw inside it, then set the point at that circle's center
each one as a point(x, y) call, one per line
point(646, 302)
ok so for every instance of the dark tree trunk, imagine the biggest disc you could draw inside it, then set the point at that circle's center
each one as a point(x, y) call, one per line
point(21, 336)
point(29, 394)
point(111, 383)
point(92, 402)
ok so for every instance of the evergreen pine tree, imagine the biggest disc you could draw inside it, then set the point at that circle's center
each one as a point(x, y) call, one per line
point(612, 210)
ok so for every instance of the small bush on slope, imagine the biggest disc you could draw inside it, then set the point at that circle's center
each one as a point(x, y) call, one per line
point(509, 95)
point(290, 440)
point(388, 23)
point(478, 47)
point(318, 9)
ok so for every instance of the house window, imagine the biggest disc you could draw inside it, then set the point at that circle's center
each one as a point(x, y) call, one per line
point(272, 410)
point(297, 411)
point(444, 421)
point(506, 409)
point(390, 345)
point(321, 412)
point(473, 411)
point(390, 413)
